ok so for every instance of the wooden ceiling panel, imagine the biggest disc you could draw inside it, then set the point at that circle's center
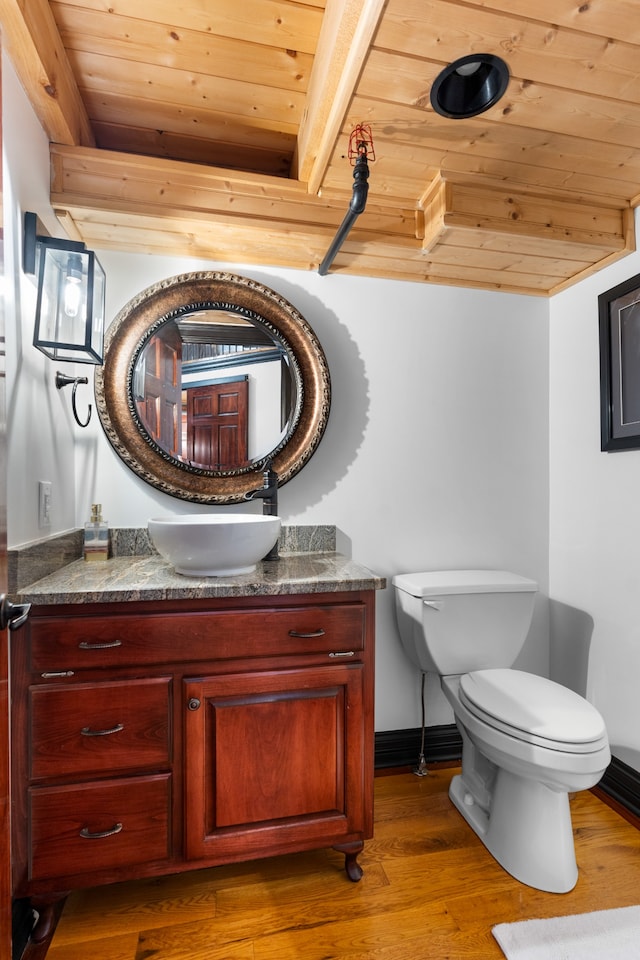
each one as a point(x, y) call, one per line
point(192, 121)
point(138, 41)
point(604, 18)
point(277, 23)
point(257, 151)
point(526, 158)
point(222, 131)
point(188, 89)
point(527, 103)
point(537, 50)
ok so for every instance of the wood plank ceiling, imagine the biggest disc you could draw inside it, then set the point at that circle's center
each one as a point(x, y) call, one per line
point(220, 129)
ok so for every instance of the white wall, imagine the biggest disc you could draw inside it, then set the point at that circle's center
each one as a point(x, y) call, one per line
point(436, 450)
point(435, 455)
point(594, 522)
point(40, 434)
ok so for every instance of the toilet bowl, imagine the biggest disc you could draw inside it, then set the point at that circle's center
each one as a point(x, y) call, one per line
point(515, 782)
point(527, 742)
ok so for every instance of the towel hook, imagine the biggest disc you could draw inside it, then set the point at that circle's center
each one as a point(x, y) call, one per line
point(62, 380)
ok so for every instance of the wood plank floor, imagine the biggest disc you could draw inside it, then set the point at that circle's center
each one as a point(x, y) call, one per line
point(430, 890)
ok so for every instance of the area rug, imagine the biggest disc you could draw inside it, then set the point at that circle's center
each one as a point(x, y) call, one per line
point(603, 935)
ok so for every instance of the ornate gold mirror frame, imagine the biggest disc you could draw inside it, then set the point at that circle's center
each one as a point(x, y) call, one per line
point(180, 296)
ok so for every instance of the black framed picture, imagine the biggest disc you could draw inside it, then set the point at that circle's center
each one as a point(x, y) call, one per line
point(619, 318)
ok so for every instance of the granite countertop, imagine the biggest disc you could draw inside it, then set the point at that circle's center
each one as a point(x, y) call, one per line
point(151, 578)
point(49, 571)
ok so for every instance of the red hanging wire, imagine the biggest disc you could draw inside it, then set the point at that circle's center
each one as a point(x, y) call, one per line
point(361, 142)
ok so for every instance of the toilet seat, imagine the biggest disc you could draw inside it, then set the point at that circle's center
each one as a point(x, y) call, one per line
point(533, 709)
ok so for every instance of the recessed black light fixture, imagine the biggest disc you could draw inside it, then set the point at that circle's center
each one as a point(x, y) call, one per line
point(469, 86)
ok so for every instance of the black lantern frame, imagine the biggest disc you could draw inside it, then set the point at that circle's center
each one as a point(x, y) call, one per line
point(70, 308)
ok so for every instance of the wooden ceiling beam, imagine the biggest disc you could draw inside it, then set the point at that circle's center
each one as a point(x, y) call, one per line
point(40, 60)
point(122, 201)
point(451, 206)
point(348, 28)
point(150, 186)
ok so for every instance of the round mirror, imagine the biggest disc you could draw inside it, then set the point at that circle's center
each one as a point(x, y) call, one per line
point(207, 377)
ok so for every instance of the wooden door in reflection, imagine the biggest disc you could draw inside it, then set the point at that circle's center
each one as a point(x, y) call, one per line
point(217, 425)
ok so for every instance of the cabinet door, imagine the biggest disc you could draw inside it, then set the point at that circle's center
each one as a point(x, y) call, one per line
point(274, 762)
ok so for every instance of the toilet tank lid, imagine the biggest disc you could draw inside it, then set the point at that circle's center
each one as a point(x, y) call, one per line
point(438, 583)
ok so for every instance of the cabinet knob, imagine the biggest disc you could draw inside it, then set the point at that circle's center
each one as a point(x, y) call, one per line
point(193, 704)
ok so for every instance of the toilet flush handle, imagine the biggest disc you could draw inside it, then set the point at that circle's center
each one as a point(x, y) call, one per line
point(434, 604)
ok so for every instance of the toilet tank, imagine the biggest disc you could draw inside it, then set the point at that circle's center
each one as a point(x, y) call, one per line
point(454, 621)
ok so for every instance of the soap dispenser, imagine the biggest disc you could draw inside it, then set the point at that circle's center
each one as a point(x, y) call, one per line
point(96, 535)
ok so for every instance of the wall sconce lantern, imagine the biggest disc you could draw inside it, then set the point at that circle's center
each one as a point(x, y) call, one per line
point(71, 296)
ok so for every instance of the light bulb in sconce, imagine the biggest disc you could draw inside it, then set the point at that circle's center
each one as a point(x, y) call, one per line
point(73, 295)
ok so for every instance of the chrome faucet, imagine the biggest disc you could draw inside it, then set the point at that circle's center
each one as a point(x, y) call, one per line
point(268, 493)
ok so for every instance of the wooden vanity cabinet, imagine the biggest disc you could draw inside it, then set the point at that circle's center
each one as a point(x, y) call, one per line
point(151, 738)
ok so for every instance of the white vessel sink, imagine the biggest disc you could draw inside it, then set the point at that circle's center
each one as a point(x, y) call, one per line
point(214, 544)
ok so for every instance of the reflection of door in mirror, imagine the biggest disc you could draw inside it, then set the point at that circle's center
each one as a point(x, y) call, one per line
point(217, 422)
point(160, 403)
point(214, 390)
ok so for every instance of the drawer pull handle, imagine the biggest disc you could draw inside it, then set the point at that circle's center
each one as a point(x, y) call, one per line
point(347, 653)
point(88, 732)
point(86, 834)
point(87, 645)
point(307, 636)
point(56, 673)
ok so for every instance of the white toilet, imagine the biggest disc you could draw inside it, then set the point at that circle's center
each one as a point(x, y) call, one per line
point(527, 742)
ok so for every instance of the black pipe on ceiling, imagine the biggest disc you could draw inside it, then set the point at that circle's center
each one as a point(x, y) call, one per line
point(356, 207)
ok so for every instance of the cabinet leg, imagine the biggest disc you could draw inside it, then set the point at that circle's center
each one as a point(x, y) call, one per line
point(49, 909)
point(351, 851)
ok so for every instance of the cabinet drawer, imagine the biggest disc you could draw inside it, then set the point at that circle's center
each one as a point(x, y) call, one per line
point(98, 826)
point(59, 643)
point(87, 728)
